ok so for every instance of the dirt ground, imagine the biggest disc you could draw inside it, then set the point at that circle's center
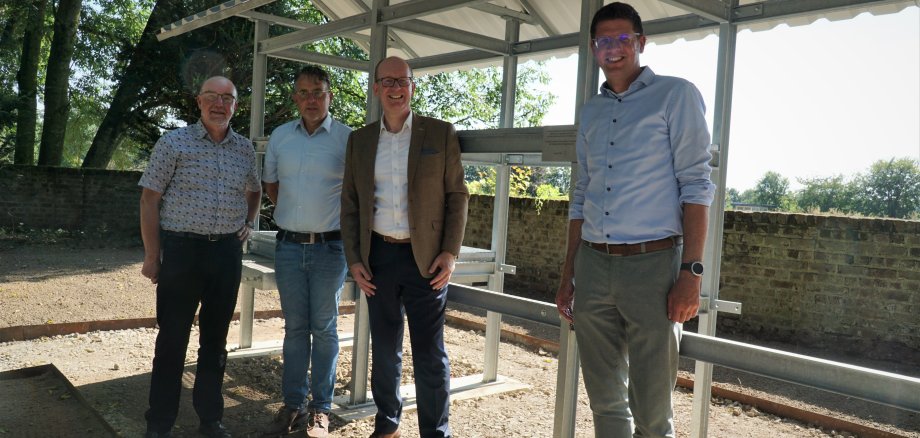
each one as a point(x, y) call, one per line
point(59, 280)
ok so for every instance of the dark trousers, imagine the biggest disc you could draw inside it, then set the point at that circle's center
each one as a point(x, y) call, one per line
point(401, 290)
point(192, 272)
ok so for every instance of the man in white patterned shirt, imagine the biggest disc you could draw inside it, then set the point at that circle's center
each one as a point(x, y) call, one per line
point(200, 196)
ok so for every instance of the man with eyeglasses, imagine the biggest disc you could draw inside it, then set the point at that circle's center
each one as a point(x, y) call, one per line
point(638, 219)
point(304, 162)
point(200, 197)
point(404, 206)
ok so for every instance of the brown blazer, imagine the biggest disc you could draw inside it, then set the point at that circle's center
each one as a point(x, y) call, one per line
point(438, 197)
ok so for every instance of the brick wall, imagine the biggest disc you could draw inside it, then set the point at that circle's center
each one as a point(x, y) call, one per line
point(824, 280)
point(90, 200)
point(818, 280)
point(815, 280)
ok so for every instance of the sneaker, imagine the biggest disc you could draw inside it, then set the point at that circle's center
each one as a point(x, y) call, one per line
point(286, 420)
point(318, 426)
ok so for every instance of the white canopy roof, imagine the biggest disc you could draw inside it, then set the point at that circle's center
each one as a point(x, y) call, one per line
point(437, 35)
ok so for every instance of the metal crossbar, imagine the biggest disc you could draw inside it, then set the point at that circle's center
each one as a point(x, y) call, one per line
point(890, 389)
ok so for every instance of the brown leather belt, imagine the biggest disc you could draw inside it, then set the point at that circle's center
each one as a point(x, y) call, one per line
point(393, 240)
point(629, 249)
point(308, 238)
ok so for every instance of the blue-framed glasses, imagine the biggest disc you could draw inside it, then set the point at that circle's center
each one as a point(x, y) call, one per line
point(615, 42)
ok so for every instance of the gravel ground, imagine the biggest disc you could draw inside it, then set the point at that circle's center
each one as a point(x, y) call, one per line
point(63, 280)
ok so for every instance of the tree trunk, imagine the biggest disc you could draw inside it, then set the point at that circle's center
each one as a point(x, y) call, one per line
point(112, 129)
point(27, 79)
point(57, 83)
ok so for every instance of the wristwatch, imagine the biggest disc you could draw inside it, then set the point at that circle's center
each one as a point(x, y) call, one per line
point(695, 268)
point(251, 224)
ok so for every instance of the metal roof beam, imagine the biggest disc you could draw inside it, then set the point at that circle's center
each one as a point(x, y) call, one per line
point(784, 8)
point(415, 9)
point(388, 15)
point(682, 23)
point(299, 55)
point(333, 28)
point(295, 24)
point(715, 10)
point(534, 12)
point(456, 36)
point(500, 11)
point(206, 17)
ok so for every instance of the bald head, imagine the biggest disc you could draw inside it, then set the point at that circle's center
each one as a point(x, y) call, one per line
point(215, 82)
point(392, 62)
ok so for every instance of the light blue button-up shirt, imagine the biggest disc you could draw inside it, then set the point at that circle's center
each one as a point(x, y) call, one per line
point(309, 171)
point(642, 154)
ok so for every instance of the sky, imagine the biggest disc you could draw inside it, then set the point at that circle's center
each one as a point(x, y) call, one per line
point(809, 101)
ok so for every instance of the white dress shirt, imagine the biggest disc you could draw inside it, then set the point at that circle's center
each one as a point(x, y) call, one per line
point(391, 182)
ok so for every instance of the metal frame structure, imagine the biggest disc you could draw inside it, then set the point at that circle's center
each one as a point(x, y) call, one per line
point(393, 25)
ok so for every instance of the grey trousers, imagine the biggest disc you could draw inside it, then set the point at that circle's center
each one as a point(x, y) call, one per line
point(627, 345)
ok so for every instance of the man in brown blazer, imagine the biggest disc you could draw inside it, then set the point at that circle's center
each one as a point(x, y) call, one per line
point(404, 207)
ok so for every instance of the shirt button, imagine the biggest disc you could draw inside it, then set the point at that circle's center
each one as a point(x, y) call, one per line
point(608, 236)
point(606, 213)
point(611, 143)
point(619, 100)
point(608, 189)
point(610, 166)
point(614, 120)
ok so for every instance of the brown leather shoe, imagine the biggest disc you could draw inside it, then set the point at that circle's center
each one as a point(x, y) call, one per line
point(318, 424)
point(285, 420)
point(395, 434)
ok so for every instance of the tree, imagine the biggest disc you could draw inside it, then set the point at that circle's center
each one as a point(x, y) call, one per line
point(112, 129)
point(890, 189)
point(772, 189)
point(826, 194)
point(57, 82)
point(27, 80)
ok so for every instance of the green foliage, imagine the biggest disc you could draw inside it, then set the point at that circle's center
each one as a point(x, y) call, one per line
point(825, 194)
point(548, 191)
point(772, 189)
point(472, 99)
point(890, 188)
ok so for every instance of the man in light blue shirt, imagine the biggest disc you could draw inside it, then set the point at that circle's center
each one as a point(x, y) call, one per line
point(638, 220)
point(304, 164)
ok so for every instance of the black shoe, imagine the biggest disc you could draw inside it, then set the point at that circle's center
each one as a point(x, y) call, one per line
point(154, 434)
point(214, 430)
point(286, 420)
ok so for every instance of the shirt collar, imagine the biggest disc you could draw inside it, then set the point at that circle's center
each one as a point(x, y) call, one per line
point(645, 78)
point(406, 126)
point(327, 125)
point(202, 133)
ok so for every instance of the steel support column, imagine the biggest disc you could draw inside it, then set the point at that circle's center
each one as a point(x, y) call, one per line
point(361, 346)
point(501, 206)
point(702, 389)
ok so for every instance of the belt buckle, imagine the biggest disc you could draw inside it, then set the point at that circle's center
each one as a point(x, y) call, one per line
point(312, 238)
point(212, 237)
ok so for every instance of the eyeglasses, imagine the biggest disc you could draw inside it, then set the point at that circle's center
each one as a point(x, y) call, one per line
point(212, 97)
point(391, 82)
point(615, 42)
point(316, 94)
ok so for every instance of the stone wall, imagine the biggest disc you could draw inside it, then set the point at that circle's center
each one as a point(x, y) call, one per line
point(801, 278)
point(824, 280)
point(815, 280)
point(89, 200)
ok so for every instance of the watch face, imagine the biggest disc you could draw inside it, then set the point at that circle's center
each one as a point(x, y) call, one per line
point(696, 268)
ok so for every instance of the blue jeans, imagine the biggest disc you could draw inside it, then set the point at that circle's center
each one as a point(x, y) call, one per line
point(309, 278)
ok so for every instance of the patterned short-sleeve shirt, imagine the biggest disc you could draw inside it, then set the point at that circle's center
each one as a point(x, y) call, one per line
point(203, 184)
